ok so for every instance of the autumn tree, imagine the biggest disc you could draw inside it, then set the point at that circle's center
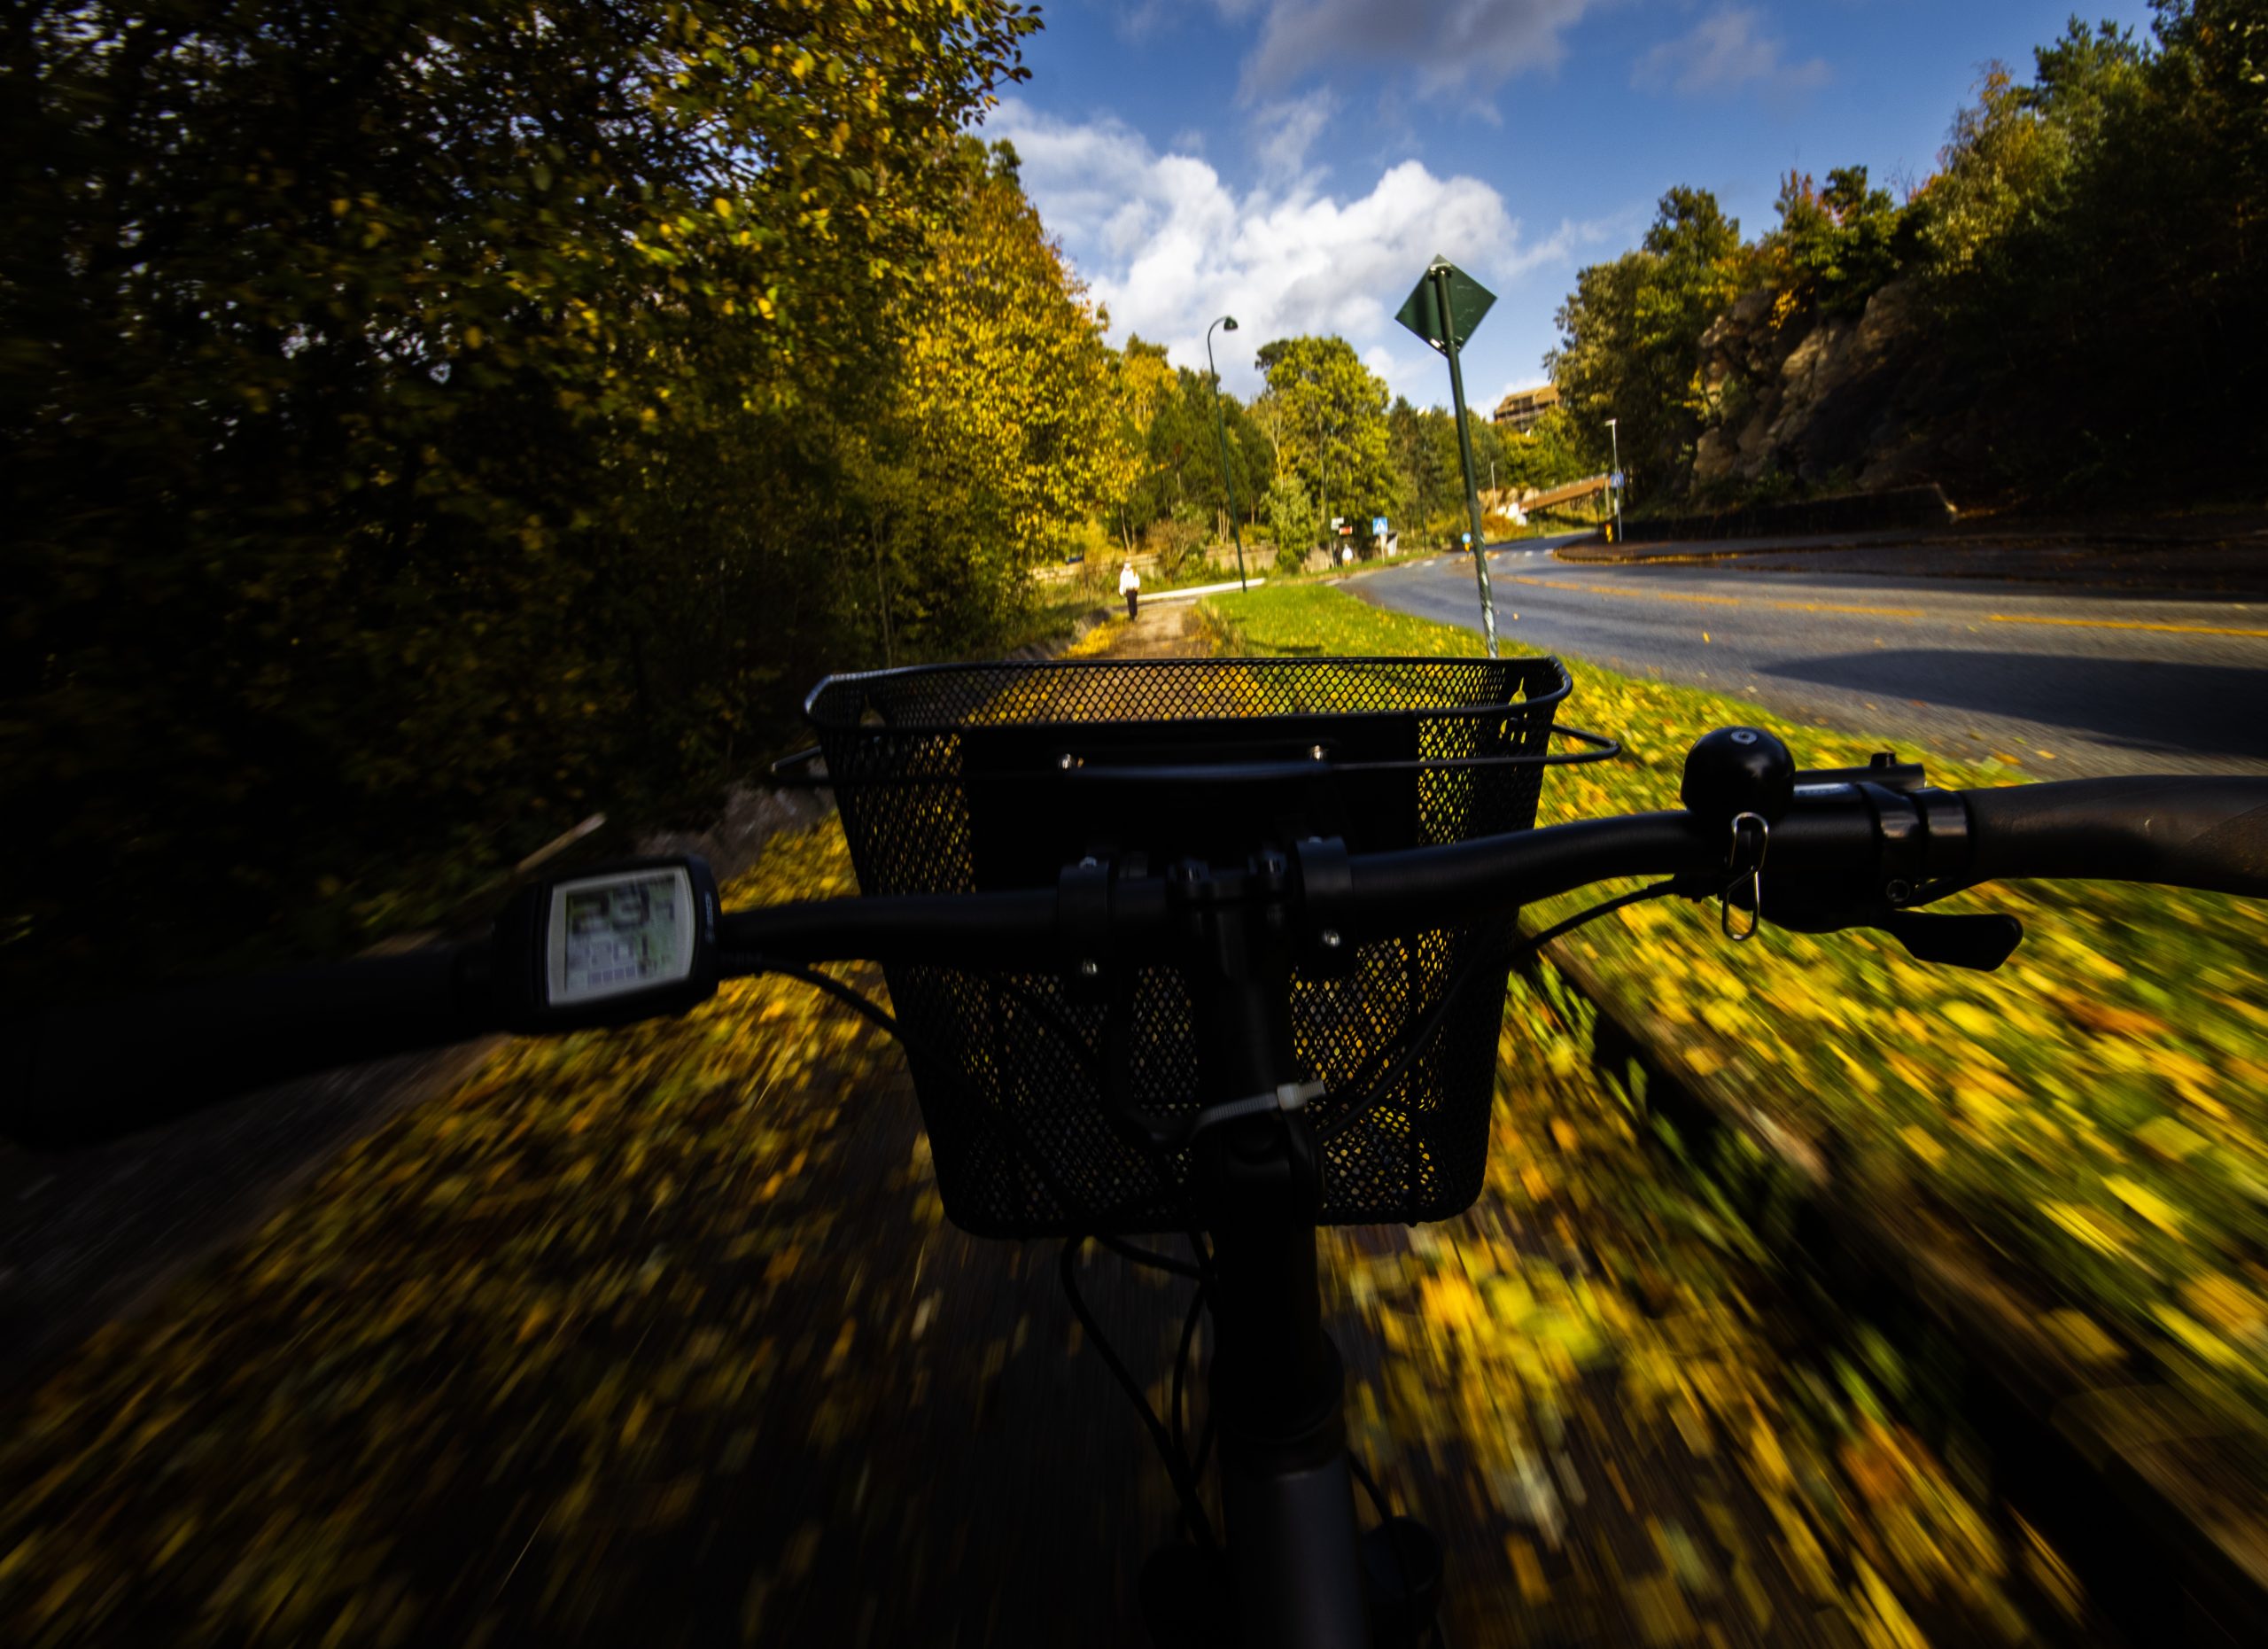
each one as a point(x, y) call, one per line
point(1836, 246)
point(1331, 411)
point(1010, 415)
point(416, 426)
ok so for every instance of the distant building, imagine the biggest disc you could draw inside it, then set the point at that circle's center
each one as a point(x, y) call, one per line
point(1523, 407)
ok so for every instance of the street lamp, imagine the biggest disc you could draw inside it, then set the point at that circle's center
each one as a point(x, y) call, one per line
point(1615, 436)
point(1220, 428)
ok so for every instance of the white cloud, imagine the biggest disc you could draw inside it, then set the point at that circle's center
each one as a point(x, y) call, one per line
point(1726, 51)
point(1167, 245)
point(1449, 43)
point(1283, 133)
point(1138, 22)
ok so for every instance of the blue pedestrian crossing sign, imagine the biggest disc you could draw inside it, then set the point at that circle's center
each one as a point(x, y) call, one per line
point(1615, 480)
point(1378, 524)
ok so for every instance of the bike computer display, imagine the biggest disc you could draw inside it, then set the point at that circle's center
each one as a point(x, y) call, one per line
point(609, 935)
point(608, 944)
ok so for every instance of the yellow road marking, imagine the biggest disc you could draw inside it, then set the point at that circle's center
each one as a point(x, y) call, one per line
point(2122, 624)
point(1884, 612)
point(1723, 601)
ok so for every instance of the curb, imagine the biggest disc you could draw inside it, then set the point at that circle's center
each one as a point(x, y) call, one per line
point(1616, 555)
point(1902, 508)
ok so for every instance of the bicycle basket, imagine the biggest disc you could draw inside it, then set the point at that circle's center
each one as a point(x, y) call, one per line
point(960, 777)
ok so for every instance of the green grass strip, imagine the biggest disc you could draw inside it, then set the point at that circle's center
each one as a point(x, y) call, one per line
point(2097, 1111)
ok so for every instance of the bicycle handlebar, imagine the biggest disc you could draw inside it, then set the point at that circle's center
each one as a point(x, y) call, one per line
point(96, 1074)
point(91, 1074)
point(2183, 832)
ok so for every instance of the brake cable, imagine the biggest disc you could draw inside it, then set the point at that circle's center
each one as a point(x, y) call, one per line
point(746, 962)
point(1413, 1046)
point(1176, 1463)
point(1171, 1440)
point(1171, 1446)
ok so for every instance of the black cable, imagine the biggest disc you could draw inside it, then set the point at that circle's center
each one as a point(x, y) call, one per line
point(1168, 1445)
point(1139, 1255)
point(1203, 1300)
point(1204, 1260)
point(1193, 1509)
point(1654, 891)
point(1412, 1045)
point(1468, 973)
point(1370, 1485)
point(742, 964)
point(1104, 1068)
point(1181, 1370)
point(1393, 1547)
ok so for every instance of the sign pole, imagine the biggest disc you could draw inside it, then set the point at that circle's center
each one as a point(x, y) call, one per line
point(1439, 276)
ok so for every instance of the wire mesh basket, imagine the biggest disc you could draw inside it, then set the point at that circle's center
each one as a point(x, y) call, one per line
point(966, 777)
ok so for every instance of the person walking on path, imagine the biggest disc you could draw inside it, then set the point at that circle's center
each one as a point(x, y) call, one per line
point(1130, 586)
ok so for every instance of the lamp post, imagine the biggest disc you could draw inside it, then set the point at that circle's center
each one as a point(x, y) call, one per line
point(1614, 435)
point(1220, 427)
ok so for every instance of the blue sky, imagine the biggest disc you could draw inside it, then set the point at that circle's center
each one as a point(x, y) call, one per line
point(1295, 162)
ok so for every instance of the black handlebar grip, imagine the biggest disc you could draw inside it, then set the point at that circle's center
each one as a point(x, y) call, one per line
point(2210, 833)
point(85, 1075)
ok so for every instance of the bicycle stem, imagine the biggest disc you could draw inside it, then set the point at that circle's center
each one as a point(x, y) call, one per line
point(1278, 1383)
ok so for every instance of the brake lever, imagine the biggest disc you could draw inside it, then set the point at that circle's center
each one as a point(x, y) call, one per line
point(1981, 941)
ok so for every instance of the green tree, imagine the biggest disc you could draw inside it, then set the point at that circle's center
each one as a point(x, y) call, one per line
point(1835, 247)
point(2097, 252)
point(1148, 386)
point(1548, 456)
point(1332, 414)
point(2087, 264)
point(1630, 337)
point(418, 423)
point(1292, 521)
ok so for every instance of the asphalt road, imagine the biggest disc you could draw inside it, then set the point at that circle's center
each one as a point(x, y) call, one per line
point(2063, 680)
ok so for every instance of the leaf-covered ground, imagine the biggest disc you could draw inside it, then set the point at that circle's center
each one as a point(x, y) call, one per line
point(2096, 1110)
point(659, 1335)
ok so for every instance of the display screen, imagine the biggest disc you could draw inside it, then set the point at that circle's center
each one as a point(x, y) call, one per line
point(613, 935)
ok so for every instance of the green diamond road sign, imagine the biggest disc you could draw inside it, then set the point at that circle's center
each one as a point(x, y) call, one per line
point(1469, 301)
point(1444, 308)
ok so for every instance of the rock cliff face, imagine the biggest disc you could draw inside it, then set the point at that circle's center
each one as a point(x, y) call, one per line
point(1818, 399)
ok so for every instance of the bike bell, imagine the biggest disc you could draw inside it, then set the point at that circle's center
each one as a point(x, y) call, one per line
point(1738, 770)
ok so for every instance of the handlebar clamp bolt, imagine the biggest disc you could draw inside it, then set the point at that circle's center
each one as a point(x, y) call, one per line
point(1316, 751)
point(1089, 966)
point(1330, 937)
point(1898, 890)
